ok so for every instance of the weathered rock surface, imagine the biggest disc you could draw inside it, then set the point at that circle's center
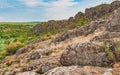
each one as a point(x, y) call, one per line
point(87, 70)
point(81, 31)
point(78, 16)
point(107, 36)
point(52, 25)
point(101, 11)
point(27, 73)
point(114, 25)
point(85, 54)
point(94, 13)
point(44, 64)
point(97, 12)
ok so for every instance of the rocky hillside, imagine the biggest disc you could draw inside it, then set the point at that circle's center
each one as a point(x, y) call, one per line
point(91, 49)
point(100, 11)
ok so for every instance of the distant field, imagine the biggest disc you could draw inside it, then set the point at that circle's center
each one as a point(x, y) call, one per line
point(14, 35)
point(16, 31)
point(20, 23)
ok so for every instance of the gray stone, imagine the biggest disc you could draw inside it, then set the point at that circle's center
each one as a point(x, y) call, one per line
point(85, 54)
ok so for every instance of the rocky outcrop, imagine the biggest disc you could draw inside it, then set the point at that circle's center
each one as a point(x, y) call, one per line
point(71, 19)
point(80, 31)
point(97, 12)
point(115, 4)
point(78, 16)
point(87, 70)
point(52, 26)
point(101, 11)
point(85, 54)
point(114, 23)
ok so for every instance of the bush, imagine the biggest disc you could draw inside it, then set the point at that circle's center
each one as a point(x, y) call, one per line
point(2, 55)
point(13, 47)
point(10, 49)
point(111, 54)
point(82, 21)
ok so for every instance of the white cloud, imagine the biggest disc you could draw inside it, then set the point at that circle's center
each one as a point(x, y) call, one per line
point(63, 3)
point(55, 9)
point(60, 9)
point(63, 9)
point(32, 3)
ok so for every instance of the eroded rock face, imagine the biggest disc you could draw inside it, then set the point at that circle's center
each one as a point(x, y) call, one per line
point(85, 54)
point(114, 25)
point(101, 11)
point(52, 25)
point(115, 4)
point(110, 25)
point(97, 12)
point(71, 19)
point(86, 70)
point(80, 31)
point(107, 36)
point(78, 16)
point(90, 14)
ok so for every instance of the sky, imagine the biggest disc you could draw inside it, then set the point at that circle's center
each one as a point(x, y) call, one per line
point(43, 10)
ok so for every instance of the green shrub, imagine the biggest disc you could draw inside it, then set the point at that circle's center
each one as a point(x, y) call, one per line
point(82, 21)
point(10, 49)
point(109, 51)
point(13, 47)
point(2, 55)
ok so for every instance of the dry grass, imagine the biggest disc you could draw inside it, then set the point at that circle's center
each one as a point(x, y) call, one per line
point(116, 65)
point(12, 47)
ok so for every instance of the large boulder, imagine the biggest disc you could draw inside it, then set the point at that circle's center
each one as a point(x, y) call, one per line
point(44, 64)
point(86, 70)
point(85, 54)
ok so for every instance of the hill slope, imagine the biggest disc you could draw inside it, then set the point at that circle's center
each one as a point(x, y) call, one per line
point(92, 49)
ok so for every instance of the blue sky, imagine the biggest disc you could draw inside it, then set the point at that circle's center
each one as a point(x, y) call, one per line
point(43, 10)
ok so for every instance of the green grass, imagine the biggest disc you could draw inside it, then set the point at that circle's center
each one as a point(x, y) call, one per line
point(19, 23)
point(82, 21)
point(13, 32)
